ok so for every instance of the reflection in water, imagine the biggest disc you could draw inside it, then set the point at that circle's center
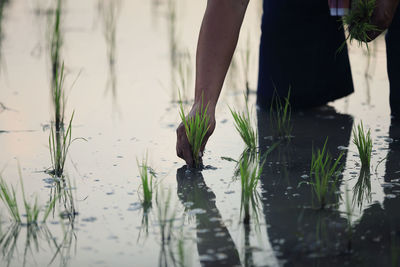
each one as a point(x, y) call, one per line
point(14, 248)
point(250, 168)
point(109, 13)
point(214, 243)
point(305, 237)
point(301, 235)
point(362, 189)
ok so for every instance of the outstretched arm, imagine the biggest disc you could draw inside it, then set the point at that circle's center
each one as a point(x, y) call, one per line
point(218, 37)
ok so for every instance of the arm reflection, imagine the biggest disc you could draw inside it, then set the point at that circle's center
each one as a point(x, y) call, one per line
point(214, 243)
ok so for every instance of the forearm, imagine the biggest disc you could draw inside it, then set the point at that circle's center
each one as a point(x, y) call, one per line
point(217, 42)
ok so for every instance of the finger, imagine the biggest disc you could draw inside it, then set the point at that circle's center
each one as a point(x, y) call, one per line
point(188, 155)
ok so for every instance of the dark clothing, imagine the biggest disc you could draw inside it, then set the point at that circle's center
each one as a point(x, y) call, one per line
point(393, 62)
point(298, 50)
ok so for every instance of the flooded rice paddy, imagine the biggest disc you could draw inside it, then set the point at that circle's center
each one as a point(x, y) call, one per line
point(124, 62)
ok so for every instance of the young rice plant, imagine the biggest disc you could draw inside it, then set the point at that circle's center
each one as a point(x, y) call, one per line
point(363, 143)
point(244, 126)
point(280, 117)
point(59, 143)
point(324, 172)
point(146, 177)
point(32, 210)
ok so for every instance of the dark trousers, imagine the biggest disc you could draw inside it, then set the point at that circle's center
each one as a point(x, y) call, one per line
point(393, 62)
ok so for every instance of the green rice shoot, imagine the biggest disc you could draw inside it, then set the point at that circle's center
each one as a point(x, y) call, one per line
point(59, 143)
point(196, 128)
point(359, 22)
point(363, 142)
point(8, 197)
point(243, 125)
point(280, 117)
point(32, 209)
point(146, 177)
point(324, 173)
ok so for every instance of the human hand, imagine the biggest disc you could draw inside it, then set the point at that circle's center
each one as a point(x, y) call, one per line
point(183, 148)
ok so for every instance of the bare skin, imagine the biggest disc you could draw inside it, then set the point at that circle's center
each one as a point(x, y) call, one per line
point(218, 38)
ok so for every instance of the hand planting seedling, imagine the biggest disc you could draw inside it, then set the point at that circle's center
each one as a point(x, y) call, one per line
point(196, 128)
point(244, 126)
point(363, 143)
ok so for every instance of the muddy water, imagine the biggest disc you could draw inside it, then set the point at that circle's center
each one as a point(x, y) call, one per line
point(124, 100)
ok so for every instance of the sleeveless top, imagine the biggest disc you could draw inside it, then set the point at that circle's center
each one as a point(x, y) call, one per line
point(299, 50)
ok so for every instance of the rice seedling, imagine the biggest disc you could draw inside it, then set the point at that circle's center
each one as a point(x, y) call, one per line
point(196, 128)
point(243, 125)
point(363, 143)
point(146, 177)
point(250, 172)
point(32, 210)
point(59, 143)
point(359, 22)
point(280, 117)
point(9, 199)
point(324, 173)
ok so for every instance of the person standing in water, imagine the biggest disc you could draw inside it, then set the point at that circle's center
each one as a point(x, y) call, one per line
point(298, 50)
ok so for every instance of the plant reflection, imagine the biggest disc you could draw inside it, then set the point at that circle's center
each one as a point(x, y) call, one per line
point(38, 238)
point(362, 189)
point(109, 13)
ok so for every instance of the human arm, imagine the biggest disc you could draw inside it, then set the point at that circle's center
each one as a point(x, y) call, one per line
point(217, 41)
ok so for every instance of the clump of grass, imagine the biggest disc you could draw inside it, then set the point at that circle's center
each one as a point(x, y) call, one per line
point(324, 172)
point(196, 128)
point(250, 173)
point(9, 199)
point(32, 210)
point(245, 128)
point(146, 177)
point(59, 143)
point(280, 117)
point(363, 143)
point(359, 22)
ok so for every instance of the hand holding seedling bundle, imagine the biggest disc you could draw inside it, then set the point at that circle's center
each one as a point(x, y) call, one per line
point(193, 133)
point(369, 18)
